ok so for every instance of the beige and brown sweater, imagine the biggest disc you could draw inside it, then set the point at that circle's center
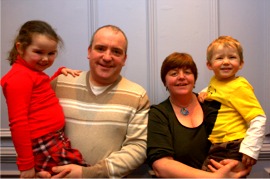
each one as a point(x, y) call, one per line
point(109, 129)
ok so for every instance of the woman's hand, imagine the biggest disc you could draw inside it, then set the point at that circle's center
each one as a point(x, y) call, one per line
point(229, 168)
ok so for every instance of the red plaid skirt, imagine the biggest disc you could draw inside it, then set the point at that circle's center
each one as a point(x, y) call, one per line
point(55, 149)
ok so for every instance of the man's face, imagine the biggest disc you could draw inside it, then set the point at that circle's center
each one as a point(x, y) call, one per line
point(107, 56)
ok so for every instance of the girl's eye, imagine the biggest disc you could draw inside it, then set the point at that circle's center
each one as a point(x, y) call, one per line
point(38, 52)
point(52, 53)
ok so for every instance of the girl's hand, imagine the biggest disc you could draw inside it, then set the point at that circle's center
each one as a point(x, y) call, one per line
point(28, 173)
point(74, 73)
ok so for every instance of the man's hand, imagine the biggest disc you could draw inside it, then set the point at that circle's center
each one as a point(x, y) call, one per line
point(43, 174)
point(67, 171)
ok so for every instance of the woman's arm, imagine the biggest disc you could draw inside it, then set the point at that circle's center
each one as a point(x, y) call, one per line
point(166, 167)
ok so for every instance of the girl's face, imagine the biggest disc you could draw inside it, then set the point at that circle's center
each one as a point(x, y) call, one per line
point(225, 63)
point(40, 54)
point(180, 81)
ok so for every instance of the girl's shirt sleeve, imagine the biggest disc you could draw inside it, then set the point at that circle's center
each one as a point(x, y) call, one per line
point(57, 73)
point(17, 90)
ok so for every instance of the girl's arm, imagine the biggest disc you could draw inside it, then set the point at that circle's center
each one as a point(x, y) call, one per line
point(65, 71)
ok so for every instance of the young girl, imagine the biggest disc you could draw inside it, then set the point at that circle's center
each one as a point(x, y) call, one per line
point(35, 115)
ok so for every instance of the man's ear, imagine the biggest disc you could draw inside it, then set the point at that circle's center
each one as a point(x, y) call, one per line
point(88, 52)
point(125, 60)
point(19, 48)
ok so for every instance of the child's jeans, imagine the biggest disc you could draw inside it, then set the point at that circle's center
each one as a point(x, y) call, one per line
point(220, 151)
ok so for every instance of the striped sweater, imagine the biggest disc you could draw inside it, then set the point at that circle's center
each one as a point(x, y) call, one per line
point(109, 129)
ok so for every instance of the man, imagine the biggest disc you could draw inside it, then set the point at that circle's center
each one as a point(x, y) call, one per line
point(106, 114)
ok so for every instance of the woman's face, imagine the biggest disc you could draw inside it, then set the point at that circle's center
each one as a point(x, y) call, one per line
point(180, 81)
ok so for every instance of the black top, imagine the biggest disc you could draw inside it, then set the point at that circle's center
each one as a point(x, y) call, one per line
point(168, 137)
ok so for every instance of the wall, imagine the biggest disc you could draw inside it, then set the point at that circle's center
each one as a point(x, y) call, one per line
point(155, 28)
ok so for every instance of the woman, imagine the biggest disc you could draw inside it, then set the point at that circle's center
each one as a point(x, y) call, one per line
point(178, 127)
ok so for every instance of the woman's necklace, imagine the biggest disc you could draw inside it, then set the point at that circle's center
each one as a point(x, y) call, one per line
point(184, 110)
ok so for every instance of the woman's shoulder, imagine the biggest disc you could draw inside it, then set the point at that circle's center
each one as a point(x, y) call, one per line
point(163, 106)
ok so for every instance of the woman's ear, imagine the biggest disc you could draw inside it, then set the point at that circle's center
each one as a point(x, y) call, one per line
point(19, 48)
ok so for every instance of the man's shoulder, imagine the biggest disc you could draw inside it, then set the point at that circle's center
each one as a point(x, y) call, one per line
point(72, 80)
point(129, 85)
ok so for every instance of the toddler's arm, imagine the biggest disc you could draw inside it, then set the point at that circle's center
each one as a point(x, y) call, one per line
point(252, 143)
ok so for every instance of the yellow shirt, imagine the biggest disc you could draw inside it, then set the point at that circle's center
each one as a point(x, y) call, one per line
point(239, 106)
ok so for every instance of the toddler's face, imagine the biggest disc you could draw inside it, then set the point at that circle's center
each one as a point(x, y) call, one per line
point(41, 53)
point(225, 62)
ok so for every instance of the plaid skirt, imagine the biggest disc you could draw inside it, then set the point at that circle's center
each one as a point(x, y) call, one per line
point(54, 149)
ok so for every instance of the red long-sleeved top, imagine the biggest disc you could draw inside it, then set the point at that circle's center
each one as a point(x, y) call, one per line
point(33, 109)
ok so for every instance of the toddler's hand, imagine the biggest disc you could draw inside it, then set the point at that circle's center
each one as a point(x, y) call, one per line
point(248, 161)
point(202, 96)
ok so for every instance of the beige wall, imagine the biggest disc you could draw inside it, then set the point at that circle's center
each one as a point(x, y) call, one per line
point(155, 28)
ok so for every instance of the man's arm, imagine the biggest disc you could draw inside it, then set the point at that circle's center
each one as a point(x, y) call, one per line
point(133, 151)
